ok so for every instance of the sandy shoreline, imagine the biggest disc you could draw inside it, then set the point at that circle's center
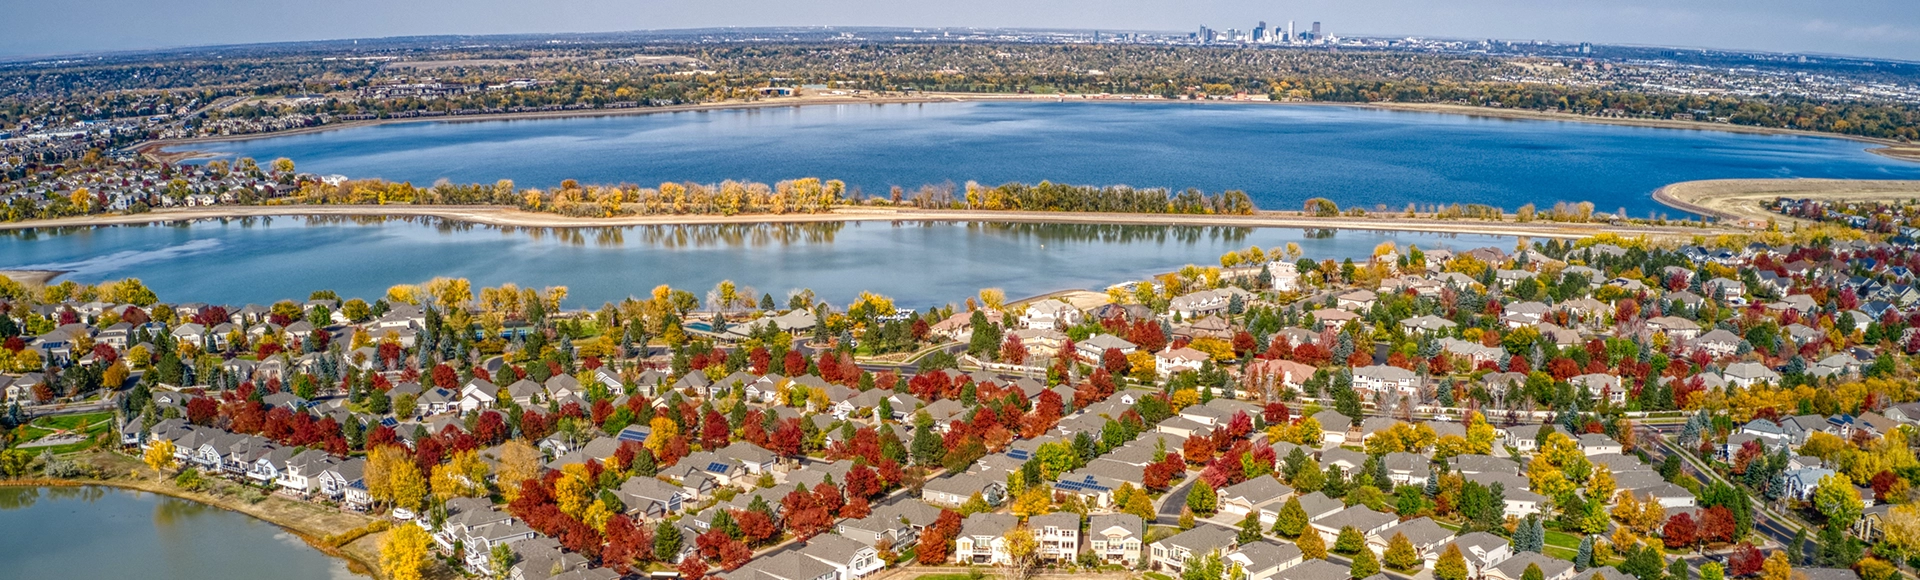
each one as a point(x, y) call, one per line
point(1889, 148)
point(511, 217)
point(32, 277)
point(1742, 199)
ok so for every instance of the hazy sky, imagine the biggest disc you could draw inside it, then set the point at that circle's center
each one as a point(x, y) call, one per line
point(1881, 28)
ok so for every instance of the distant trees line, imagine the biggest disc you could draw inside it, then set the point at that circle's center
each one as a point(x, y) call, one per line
point(808, 195)
point(1049, 196)
point(142, 86)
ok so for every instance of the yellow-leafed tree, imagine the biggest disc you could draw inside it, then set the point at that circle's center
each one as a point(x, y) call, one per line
point(403, 555)
point(159, 457)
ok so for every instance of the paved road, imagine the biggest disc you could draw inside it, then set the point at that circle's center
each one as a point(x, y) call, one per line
point(1173, 502)
point(1770, 525)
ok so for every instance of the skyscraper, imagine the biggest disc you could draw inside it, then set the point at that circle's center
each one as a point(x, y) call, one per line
point(1290, 37)
point(1260, 32)
point(1316, 30)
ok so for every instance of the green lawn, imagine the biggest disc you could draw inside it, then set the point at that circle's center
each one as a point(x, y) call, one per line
point(90, 421)
point(954, 576)
point(1157, 533)
point(1562, 545)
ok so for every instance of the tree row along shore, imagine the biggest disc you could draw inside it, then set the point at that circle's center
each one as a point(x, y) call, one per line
point(505, 216)
point(1739, 202)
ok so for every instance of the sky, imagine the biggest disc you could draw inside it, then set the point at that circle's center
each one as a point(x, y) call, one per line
point(1873, 28)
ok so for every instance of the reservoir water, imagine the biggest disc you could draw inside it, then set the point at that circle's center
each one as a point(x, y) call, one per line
point(1281, 155)
point(918, 264)
point(96, 532)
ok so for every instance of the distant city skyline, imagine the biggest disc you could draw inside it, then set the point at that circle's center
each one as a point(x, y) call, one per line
point(1869, 28)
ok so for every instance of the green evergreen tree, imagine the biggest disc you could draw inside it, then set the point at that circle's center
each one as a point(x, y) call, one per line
point(1292, 519)
point(928, 448)
point(1202, 499)
point(1250, 528)
point(1583, 559)
point(1364, 564)
point(1532, 573)
point(1350, 541)
point(1678, 570)
point(666, 541)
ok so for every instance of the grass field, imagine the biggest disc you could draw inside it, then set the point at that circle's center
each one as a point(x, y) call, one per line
point(89, 424)
point(1562, 545)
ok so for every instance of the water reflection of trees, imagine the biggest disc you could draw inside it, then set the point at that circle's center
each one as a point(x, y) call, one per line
point(169, 512)
point(13, 498)
point(1114, 233)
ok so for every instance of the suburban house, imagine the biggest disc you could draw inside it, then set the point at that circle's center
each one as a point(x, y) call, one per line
point(1116, 538)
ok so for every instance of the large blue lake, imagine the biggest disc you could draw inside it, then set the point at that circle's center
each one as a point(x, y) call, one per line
point(918, 264)
point(1282, 155)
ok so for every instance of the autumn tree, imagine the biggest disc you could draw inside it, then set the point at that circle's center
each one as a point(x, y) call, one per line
point(403, 554)
point(1452, 564)
point(1312, 546)
point(1400, 554)
point(393, 478)
point(1679, 533)
point(1023, 553)
point(464, 476)
point(159, 457)
point(518, 462)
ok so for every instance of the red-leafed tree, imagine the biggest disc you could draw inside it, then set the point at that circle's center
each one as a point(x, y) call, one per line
point(709, 544)
point(627, 544)
point(795, 364)
point(1679, 532)
point(534, 426)
point(755, 526)
point(1276, 414)
point(1113, 361)
point(1882, 484)
point(490, 429)
point(862, 482)
point(1745, 561)
point(1013, 350)
point(856, 508)
point(890, 474)
point(1716, 524)
point(734, 554)
point(759, 360)
point(787, 438)
point(202, 410)
point(829, 498)
point(445, 377)
point(713, 430)
point(692, 569)
point(1147, 335)
point(1199, 450)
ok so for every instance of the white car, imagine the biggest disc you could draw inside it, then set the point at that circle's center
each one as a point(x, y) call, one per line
point(402, 514)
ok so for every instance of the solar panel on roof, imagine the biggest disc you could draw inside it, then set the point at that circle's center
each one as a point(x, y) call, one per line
point(716, 467)
point(1019, 454)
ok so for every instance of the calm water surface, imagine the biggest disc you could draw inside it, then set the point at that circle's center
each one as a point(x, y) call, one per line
point(1282, 155)
point(95, 532)
point(918, 264)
